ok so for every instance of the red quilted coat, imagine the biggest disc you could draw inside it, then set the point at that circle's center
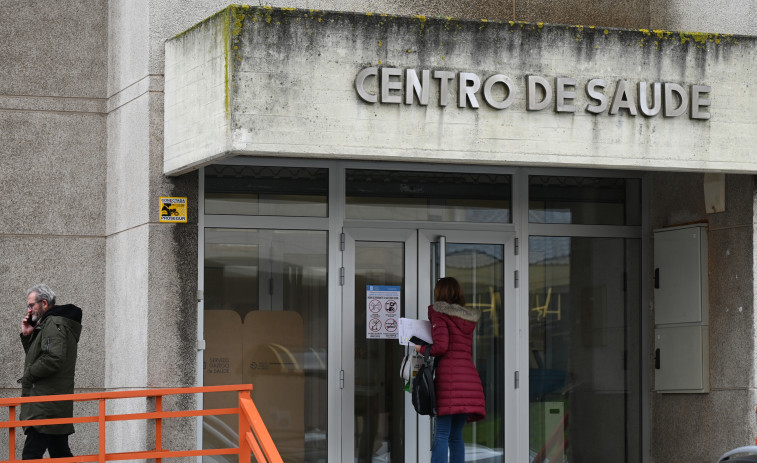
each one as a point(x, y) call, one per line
point(458, 386)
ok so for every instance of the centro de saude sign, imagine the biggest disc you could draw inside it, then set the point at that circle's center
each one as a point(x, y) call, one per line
point(387, 86)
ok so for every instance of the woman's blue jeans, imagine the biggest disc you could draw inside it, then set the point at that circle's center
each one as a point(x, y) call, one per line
point(449, 436)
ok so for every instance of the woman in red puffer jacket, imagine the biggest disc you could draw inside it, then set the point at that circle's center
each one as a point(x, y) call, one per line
point(459, 394)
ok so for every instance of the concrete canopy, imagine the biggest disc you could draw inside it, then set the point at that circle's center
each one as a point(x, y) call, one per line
point(285, 82)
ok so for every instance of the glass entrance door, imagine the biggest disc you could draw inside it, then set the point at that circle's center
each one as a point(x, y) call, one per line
point(483, 263)
point(266, 323)
point(381, 266)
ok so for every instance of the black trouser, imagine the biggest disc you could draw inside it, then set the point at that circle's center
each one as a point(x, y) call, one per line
point(37, 442)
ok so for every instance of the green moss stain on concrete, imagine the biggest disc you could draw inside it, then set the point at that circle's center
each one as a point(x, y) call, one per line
point(579, 33)
point(421, 24)
point(226, 26)
point(436, 38)
point(280, 16)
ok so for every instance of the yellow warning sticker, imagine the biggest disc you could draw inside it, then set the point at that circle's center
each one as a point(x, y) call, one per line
point(173, 209)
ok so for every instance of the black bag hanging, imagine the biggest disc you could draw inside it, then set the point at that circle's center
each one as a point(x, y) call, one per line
point(423, 390)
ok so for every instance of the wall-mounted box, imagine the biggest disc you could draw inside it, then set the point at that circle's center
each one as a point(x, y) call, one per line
point(682, 359)
point(680, 287)
point(681, 310)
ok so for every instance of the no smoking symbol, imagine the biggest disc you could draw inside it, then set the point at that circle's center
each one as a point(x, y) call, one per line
point(375, 325)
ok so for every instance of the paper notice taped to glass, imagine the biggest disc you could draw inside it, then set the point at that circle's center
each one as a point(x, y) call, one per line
point(410, 327)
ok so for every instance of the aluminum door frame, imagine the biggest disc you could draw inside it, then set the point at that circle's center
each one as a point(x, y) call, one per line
point(515, 338)
point(351, 235)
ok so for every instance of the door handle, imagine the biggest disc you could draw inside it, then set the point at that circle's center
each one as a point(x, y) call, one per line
point(657, 359)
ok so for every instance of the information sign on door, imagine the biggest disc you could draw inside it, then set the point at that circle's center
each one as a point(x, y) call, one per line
point(382, 305)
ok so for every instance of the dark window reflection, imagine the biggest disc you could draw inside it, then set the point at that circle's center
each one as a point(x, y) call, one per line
point(584, 200)
point(428, 196)
point(266, 190)
point(584, 343)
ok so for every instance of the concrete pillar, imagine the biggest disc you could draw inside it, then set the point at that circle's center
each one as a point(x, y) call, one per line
point(151, 267)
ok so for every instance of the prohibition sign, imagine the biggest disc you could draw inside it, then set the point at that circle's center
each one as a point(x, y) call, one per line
point(375, 325)
point(391, 325)
point(391, 306)
point(375, 306)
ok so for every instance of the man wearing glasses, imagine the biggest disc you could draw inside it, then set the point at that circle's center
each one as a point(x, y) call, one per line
point(50, 334)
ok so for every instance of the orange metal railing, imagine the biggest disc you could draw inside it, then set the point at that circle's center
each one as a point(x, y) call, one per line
point(254, 438)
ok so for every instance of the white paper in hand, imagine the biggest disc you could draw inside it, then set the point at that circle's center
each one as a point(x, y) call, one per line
point(409, 327)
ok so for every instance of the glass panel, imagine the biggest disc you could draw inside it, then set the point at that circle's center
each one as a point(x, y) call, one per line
point(584, 200)
point(379, 396)
point(255, 190)
point(584, 338)
point(480, 270)
point(422, 196)
point(266, 323)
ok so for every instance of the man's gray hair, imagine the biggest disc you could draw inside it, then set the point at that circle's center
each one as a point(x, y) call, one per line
point(43, 294)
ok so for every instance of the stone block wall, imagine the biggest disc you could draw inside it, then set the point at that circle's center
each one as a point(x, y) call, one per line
point(701, 427)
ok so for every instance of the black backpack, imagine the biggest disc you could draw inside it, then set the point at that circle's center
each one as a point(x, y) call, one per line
point(423, 390)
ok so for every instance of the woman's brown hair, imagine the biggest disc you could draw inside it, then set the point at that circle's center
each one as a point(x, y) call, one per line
point(447, 289)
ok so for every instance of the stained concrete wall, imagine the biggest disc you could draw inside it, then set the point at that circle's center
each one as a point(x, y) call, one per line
point(228, 90)
point(725, 416)
point(721, 16)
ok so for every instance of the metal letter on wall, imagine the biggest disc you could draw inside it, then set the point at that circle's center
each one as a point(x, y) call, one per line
point(360, 84)
point(644, 99)
point(697, 101)
point(388, 84)
point(562, 94)
point(509, 91)
point(532, 94)
point(670, 100)
point(591, 90)
point(444, 78)
point(416, 87)
point(623, 99)
point(468, 92)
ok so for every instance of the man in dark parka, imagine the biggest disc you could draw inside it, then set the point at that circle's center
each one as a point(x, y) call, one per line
point(49, 334)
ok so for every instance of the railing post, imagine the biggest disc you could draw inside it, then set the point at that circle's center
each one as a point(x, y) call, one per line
point(11, 434)
point(101, 430)
point(158, 426)
point(244, 428)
